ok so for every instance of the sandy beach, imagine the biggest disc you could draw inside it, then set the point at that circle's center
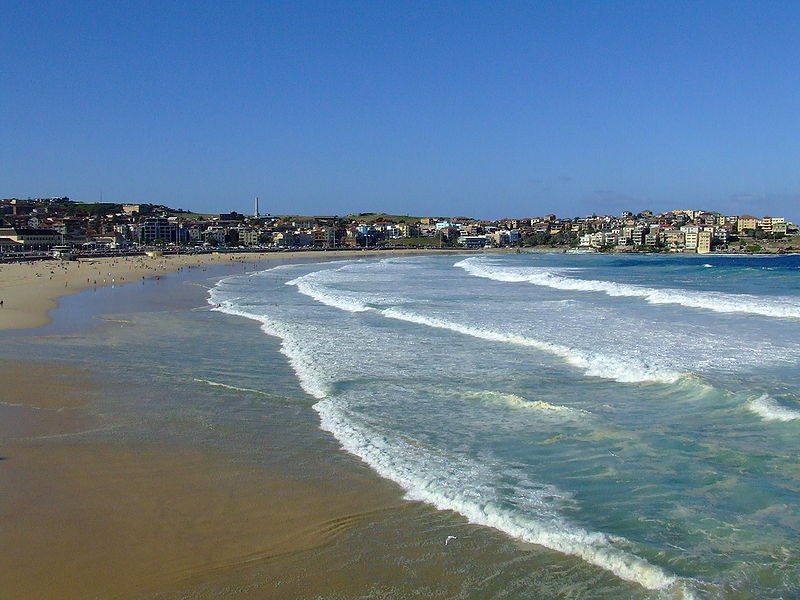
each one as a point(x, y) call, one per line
point(29, 290)
point(86, 518)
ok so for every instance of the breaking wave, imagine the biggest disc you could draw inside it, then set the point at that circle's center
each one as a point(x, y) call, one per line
point(785, 308)
point(449, 482)
point(439, 481)
point(316, 285)
point(593, 365)
point(313, 378)
point(769, 410)
point(516, 401)
point(312, 285)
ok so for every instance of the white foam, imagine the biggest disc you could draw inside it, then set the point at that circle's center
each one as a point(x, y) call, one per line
point(314, 380)
point(542, 406)
point(312, 287)
point(317, 285)
point(516, 401)
point(448, 485)
point(446, 481)
point(595, 365)
point(777, 307)
point(769, 410)
point(230, 387)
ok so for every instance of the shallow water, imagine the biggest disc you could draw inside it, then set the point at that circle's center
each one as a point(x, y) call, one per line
point(615, 447)
point(636, 416)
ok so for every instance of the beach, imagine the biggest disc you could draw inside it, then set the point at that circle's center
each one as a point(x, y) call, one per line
point(29, 290)
point(102, 501)
point(86, 518)
point(417, 426)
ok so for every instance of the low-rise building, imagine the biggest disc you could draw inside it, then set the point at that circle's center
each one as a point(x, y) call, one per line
point(690, 233)
point(155, 229)
point(773, 224)
point(31, 239)
point(246, 235)
point(674, 239)
point(476, 241)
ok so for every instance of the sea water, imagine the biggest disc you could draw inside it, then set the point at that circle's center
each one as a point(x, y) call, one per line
point(638, 414)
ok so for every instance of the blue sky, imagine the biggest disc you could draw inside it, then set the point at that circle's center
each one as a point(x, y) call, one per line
point(484, 109)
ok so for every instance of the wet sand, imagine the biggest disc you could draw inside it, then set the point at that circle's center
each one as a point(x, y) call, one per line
point(90, 516)
point(87, 518)
point(83, 518)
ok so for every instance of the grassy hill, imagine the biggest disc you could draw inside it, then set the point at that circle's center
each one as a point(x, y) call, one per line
point(375, 217)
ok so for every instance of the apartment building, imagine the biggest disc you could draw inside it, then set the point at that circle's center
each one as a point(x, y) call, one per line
point(746, 222)
point(704, 239)
point(773, 224)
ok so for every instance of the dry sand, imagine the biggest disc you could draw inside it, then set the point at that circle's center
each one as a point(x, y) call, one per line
point(29, 290)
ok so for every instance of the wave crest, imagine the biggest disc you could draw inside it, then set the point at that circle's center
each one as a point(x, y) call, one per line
point(539, 524)
point(596, 365)
point(768, 409)
point(784, 308)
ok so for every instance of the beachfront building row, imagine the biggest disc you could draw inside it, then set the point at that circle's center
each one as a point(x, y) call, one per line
point(684, 239)
point(58, 221)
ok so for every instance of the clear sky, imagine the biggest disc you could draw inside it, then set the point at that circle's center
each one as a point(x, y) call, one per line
point(484, 109)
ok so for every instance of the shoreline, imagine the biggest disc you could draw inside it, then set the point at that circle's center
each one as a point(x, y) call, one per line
point(94, 511)
point(30, 290)
point(88, 514)
point(96, 516)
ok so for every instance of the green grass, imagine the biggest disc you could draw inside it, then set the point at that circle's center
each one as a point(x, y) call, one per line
point(374, 217)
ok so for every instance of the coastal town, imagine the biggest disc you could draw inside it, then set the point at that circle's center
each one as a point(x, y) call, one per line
point(42, 225)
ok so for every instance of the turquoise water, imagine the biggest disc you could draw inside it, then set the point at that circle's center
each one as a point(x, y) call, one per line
point(638, 414)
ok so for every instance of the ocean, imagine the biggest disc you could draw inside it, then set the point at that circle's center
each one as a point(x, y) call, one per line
point(634, 419)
